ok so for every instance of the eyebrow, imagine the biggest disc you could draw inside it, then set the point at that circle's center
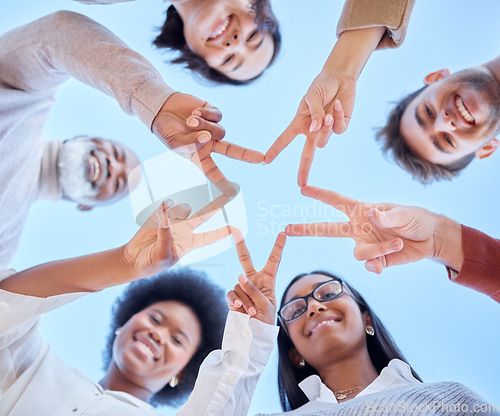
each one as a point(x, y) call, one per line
point(242, 61)
point(177, 329)
point(434, 139)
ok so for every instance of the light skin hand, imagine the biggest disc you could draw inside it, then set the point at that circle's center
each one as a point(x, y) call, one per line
point(387, 234)
point(189, 127)
point(255, 292)
point(328, 104)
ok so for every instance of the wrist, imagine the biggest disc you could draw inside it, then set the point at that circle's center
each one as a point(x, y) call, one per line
point(447, 239)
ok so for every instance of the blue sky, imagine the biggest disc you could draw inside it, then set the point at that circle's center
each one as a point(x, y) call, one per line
point(447, 332)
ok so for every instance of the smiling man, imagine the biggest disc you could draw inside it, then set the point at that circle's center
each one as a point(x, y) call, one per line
point(438, 130)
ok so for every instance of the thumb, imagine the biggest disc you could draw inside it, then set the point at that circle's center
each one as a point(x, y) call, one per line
point(315, 105)
point(395, 217)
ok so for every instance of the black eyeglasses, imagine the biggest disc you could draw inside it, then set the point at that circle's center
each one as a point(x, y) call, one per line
point(324, 292)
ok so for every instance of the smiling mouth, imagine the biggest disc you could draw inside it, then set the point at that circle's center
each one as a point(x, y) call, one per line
point(324, 322)
point(220, 29)
point(463, 110)
point(146, 348)
point(96, 168)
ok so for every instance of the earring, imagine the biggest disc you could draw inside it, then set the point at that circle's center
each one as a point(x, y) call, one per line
point(370, 330)
point(118, 331)
point(302, 363)
point(173, 381)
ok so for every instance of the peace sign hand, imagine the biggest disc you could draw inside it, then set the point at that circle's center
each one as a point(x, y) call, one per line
point(255, 292)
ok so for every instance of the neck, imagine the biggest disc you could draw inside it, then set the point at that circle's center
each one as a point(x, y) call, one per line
point(494, 68)
point(349, 373)
point(48, 182)
point(114, 380)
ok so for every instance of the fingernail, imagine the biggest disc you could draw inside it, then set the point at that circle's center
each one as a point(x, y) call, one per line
point(370, 267)
point(238, 303)
point(203, 138)
point(313, 125)
point(251, 311)
point(193, 123)
point(396, 245)
point(328, 120)
point(196, 113)
point(263, 163)
point(337, 105)
point(242, 279)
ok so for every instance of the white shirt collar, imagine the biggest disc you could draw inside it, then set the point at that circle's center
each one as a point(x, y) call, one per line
point(397, 374)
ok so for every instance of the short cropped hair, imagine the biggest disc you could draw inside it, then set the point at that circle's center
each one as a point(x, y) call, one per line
point(420, 169)
point(172, 37)
point(191, 288)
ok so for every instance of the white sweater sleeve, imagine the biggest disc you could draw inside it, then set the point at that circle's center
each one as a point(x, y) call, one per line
point(228, 377)
point(42, 54)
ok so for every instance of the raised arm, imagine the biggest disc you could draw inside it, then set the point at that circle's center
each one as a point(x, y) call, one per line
point(159, 244)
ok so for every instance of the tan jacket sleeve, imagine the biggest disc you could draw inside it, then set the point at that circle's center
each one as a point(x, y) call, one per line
point(393, 14)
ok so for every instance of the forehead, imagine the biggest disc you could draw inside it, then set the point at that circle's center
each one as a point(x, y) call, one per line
point(305, 285)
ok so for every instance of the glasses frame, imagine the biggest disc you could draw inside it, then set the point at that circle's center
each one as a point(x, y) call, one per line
point(306, 298)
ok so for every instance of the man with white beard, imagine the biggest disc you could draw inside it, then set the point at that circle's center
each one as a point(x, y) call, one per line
point(85, 170)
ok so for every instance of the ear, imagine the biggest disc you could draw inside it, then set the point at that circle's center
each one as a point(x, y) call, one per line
point(84, 207)
point(487, 149)
point(294, 357)
point(368, 320)
point(436, 76)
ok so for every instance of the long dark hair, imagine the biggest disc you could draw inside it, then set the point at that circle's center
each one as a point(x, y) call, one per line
point(381, 348)
point(172, 38)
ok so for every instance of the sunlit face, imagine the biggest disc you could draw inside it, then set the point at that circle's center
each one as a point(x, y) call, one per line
point(225, 35)
point(328, 330)
point(453, 117)
point(156, 344)
point(95, 171)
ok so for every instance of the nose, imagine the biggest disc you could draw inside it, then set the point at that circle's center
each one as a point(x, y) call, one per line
point(314, 307)
point(444, 121)
point(116, 168)
point(158, 336)
point(232, 41)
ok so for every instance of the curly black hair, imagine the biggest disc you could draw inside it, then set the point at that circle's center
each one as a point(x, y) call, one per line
point(187, 286)
point(171, 37)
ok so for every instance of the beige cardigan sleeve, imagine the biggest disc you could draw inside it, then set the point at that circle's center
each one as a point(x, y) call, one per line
point(393, 14)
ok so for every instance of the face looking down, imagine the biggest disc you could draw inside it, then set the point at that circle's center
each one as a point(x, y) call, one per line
point(95, 171)
point(156, 343)
point(329, 330)
point(456, 115)
point(226, 36)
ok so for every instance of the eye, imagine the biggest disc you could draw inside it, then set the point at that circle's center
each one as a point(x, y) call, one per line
point(297, 312)
point(115, 152)
point(429, 112)
point(448, 140)
point(228, 59)
point(252, 35)
point(177, 341)
point(155, 319)
point(117, 185)
point(107, 167)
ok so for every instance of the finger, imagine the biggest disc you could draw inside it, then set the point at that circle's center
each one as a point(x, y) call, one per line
point(315, 105)
point(179, 212)
point(207, 212)
point(306, 162)
point(365, 251)
point(374, 265)
point(210, 237)
point(325, 133)
point(233, 301)
point(246, 300)
point(213, 173)
point(336, 200)
point(320, 229)
point(273, 262)
point(339, 120)
point(215, 130)
point(254, 294)
point(281, 142)
point(396, 217)
point(209, 113)
point(164, 237)
point(237, 152)
point(244, 258)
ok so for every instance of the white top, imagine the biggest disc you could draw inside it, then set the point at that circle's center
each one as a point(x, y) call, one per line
point(396, 375)
point(35, 381)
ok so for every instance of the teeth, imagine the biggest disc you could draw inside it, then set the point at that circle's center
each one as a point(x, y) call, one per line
point(97, 168)
point(323, 323)
point(461, 107)
point(221, 30)
point(143, 347)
